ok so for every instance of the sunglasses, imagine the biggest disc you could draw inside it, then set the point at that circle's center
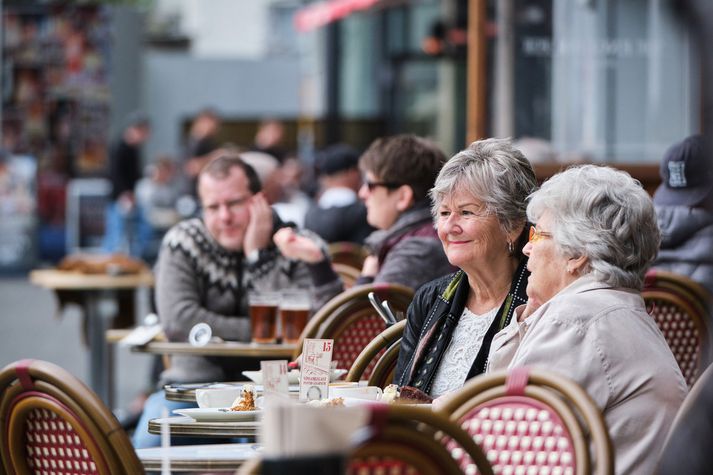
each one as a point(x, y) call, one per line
point(537, 235)
point(386, 184)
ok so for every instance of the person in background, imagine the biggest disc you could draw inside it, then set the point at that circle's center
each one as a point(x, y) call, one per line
point(585, 319)
point(684, 211)
point(338, 214)
point(202, 141)
point(479, 201)
point(124, 227)
point(157, 195)
point(205, 269)
point(398, 172)
point(270, 138)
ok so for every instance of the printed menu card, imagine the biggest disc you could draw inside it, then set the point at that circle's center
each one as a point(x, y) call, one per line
point(316, 365)
point(274, 377)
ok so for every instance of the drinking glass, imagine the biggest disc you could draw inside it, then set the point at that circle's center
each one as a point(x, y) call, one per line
point(294, 313)
point(263, 316)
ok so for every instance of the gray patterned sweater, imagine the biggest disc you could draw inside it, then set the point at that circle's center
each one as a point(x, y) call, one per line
point(199, 281)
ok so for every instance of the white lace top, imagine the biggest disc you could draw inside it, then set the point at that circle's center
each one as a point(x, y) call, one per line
point(462, 350)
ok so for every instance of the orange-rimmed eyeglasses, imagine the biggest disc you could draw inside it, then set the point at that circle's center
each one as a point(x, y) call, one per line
point(537, 235)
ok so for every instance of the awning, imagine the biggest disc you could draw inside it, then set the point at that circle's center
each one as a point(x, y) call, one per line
point(319, 14)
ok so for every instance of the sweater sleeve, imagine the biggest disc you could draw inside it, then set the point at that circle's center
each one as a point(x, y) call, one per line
point(179, 301)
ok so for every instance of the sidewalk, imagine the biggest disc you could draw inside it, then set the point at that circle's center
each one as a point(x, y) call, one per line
point(31, 329)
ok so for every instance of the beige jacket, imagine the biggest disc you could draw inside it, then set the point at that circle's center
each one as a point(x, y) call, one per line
point(603, 339)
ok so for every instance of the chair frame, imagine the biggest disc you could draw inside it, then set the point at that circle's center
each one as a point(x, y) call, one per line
point(577, 410)
point(686, 287)
point(386, 339)
point(33, 384)
point(315, 324)
point(347, 273)
point(348, 253)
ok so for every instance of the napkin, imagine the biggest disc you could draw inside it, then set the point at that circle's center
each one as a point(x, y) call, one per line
point(292, 429)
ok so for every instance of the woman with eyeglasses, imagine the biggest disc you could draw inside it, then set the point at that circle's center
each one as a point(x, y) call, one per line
point(398, 172)
point(595, 237)
point(479, 201)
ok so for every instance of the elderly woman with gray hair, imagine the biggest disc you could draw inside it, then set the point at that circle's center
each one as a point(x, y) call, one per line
point(479, 201)
point(595, 237)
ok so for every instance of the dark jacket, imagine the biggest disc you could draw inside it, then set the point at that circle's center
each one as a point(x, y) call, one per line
point(339, 223)
point(124, 167)
point(686, 243)
point(432, 317)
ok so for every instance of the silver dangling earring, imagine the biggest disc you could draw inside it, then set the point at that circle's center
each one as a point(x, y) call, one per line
point(511, 248)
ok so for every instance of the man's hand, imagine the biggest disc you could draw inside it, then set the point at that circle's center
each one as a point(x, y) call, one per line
point(259, 230)
point(294, 246)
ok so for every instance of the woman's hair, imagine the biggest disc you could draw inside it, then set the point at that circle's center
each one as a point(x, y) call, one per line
point(404, 160)
point(604, 215)
point(496, 173)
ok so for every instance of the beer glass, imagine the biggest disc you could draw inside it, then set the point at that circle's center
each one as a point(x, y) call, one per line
point(294, 313)
point(263, 316)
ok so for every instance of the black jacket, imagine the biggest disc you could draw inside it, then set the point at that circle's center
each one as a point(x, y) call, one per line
point(432, 317)
point(339, 223)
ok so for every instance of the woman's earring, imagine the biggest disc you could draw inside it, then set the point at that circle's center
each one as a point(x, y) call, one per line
point(511, 248)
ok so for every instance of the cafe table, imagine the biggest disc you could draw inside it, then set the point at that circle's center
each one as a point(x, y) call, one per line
point(187, 392)
point(190, 458)
point(99, 293)
point(258, 351)
point(187, 426)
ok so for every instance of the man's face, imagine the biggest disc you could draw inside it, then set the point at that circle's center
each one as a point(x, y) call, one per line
point(226, 210)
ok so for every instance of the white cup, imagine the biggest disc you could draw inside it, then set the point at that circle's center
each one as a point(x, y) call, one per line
point(217, 397)
point(371, 393)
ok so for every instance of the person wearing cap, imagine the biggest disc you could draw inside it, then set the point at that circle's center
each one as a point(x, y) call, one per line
point(398, 172)
point(125, 228)
point(338, 214)
point(684, 211)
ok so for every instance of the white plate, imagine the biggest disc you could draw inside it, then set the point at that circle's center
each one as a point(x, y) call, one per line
point(293, 376)
point(217, 415)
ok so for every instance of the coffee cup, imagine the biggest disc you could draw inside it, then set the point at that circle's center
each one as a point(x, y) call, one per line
point(208, 398)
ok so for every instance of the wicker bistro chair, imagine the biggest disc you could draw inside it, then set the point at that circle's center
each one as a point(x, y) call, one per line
point(414, 440)
point(533, 421)
point(682, 285)
point(347, 273)
point(386, 344)
point(355, 323)
point(50, 422)
point(681, 310)
point(348, 253)
point(684, 329)
point(406, 440)
point(399, 296)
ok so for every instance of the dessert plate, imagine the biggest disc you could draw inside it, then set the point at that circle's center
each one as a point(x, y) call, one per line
point(218, 414)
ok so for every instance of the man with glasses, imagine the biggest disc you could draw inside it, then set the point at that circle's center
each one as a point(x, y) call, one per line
point(398, 172)
point(205, 269)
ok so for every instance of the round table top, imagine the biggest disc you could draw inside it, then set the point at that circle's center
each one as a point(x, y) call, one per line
point(222, 348)
point(67, 280)
point(212, 457)
point(186, 426)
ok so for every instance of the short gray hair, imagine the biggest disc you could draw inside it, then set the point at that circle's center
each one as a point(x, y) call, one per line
point(604, 215)
point(496, 173)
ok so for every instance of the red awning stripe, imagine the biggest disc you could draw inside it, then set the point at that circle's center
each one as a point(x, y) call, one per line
point(319, 14)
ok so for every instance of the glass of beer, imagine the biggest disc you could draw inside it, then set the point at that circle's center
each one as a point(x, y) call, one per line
point(294, 313)
point(263, 316)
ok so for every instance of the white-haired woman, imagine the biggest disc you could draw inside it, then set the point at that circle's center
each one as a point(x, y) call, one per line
point(595, 237)
point(479, 202)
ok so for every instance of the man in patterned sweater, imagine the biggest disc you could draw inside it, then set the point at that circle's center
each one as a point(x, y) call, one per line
point(205, 268)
